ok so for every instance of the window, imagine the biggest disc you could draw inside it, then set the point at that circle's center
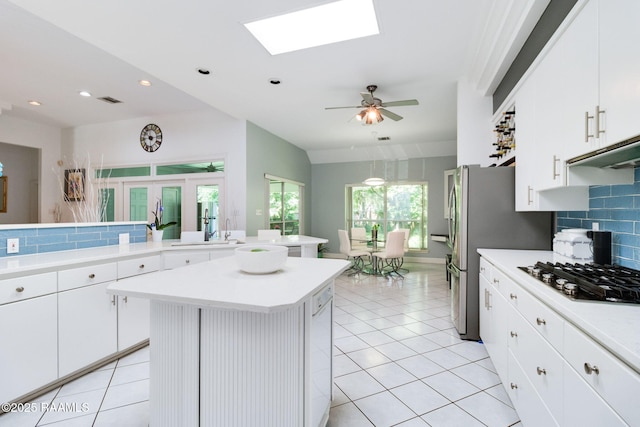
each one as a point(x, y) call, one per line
point(285, 206)
point(390, 206)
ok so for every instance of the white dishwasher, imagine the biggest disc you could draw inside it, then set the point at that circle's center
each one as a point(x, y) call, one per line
point(321, 355)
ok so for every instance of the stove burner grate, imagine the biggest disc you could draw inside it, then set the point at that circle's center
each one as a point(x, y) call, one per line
point(612, 283)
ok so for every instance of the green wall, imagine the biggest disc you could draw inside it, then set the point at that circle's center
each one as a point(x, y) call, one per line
point(268, 153)
point(328, 194)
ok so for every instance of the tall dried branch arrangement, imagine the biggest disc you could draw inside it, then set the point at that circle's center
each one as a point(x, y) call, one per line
point(90, 204)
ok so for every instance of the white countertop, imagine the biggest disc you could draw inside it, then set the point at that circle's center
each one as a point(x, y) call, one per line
point(49, 261)
point(220, 284)
point(614, 326)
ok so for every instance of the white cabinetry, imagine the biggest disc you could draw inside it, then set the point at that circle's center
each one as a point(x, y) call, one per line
point(554, 373)
point(582, 95)
point(87, 316)
point(183, 258)
point(619, 85)
point(133, 313)
point(29, 355)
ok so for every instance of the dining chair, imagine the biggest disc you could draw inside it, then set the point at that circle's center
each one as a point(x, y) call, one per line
point(268, 234)
point(355, 255)
point(391, 258)
point(358, 238)
point(406, 244)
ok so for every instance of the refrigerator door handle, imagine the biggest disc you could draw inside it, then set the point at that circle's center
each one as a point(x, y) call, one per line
point(452, 217)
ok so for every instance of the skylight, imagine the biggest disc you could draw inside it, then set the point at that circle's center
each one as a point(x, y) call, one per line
point(317, 26)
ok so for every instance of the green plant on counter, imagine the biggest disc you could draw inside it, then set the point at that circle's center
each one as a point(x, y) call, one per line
point(157, 223)
point(322, 248)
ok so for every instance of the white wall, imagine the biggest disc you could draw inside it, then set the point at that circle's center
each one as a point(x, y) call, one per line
point(187, 137)
point(48, 140)
point(475, 129)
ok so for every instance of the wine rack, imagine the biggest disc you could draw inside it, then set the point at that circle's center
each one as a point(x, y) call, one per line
point(505, 130)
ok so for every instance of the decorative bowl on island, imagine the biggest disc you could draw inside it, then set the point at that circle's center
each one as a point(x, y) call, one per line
point(261, 259)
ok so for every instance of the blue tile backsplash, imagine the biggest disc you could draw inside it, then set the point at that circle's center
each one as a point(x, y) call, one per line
point(615, 208)
point(67, 237)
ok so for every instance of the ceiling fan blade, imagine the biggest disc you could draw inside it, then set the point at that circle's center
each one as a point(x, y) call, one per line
point(368, 97)
point(400, 103)
point(336, 108)
point(389, 114)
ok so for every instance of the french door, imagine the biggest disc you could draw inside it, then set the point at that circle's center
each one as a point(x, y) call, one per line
point(187, 202)
point(141, 199)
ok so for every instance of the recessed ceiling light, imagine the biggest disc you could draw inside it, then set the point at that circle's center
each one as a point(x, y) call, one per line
point(316, 26)
point(144, 83)
point(36, 103)
point(84, 93)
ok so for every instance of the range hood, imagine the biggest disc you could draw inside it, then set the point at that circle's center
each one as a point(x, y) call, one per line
point(625, 154)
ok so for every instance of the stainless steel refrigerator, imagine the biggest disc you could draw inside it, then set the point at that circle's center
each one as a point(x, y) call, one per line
point(482, 215)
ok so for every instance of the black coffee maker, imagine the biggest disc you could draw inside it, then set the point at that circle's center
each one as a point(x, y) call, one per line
point(601, 246)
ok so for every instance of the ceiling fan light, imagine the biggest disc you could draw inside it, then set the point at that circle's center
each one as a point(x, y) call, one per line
point(373, 181)
point(373, 116)
point(361, 115)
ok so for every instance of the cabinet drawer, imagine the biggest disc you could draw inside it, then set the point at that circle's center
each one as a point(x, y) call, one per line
point(485, 269)
point(544, 320)
point(183, 259)
point(540, 362)
point(618, 384)
point(21, 288)
point(583, 406)
point(133, 267)
point(525, 399)
point(500, 282)
point(85, 276)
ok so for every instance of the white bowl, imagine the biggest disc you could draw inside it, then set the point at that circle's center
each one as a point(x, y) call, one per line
point(261, 259)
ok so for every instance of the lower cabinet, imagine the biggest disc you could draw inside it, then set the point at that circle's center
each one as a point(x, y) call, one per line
point(87, 327)
point(133, 321)
point(553, 373)
point(29, 349)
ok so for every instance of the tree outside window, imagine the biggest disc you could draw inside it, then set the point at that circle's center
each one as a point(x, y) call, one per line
point(392, 207)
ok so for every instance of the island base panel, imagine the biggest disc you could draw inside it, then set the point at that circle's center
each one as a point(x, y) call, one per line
point(214, 367)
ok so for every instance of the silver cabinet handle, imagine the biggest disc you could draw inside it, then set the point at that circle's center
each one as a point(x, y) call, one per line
point(141, 266)
point(540, 321)
point(513, 334)
point(482, 269)
point(541, 371)
point(529, 195)
point(513, 386)
point(113, 300)
point(187, 261)
point(556, 161)
point(92, 276)
point(587, 135)
point(20, 289)
point(125, 299)
point(597, 117)
point(589, 369)
point(513, 296)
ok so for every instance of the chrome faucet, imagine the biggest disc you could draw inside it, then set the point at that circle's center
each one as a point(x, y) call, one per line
point(206, 225)
point(227, 233)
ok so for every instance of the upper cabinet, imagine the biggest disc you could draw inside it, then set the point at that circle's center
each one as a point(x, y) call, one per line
point(619, 69)
point(583, 94)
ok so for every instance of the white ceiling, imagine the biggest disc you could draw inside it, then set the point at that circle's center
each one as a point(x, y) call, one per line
point(50, 50)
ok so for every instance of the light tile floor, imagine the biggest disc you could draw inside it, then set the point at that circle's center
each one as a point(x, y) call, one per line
point(398, 361)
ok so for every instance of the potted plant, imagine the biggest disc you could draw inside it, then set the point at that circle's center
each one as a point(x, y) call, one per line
point(157, 226)
point(374, 231)
point(322, 248)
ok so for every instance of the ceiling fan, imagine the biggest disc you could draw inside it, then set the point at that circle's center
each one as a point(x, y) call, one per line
point(374, 108)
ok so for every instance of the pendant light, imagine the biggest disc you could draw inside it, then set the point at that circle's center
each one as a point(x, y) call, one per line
point(372, 180)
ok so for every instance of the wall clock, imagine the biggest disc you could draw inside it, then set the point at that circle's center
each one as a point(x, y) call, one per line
point(151, 137)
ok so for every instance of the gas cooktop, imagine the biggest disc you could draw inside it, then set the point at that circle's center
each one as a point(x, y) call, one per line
point(594, 282)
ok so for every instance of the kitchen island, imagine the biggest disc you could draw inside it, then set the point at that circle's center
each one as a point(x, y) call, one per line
point(230, 348)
